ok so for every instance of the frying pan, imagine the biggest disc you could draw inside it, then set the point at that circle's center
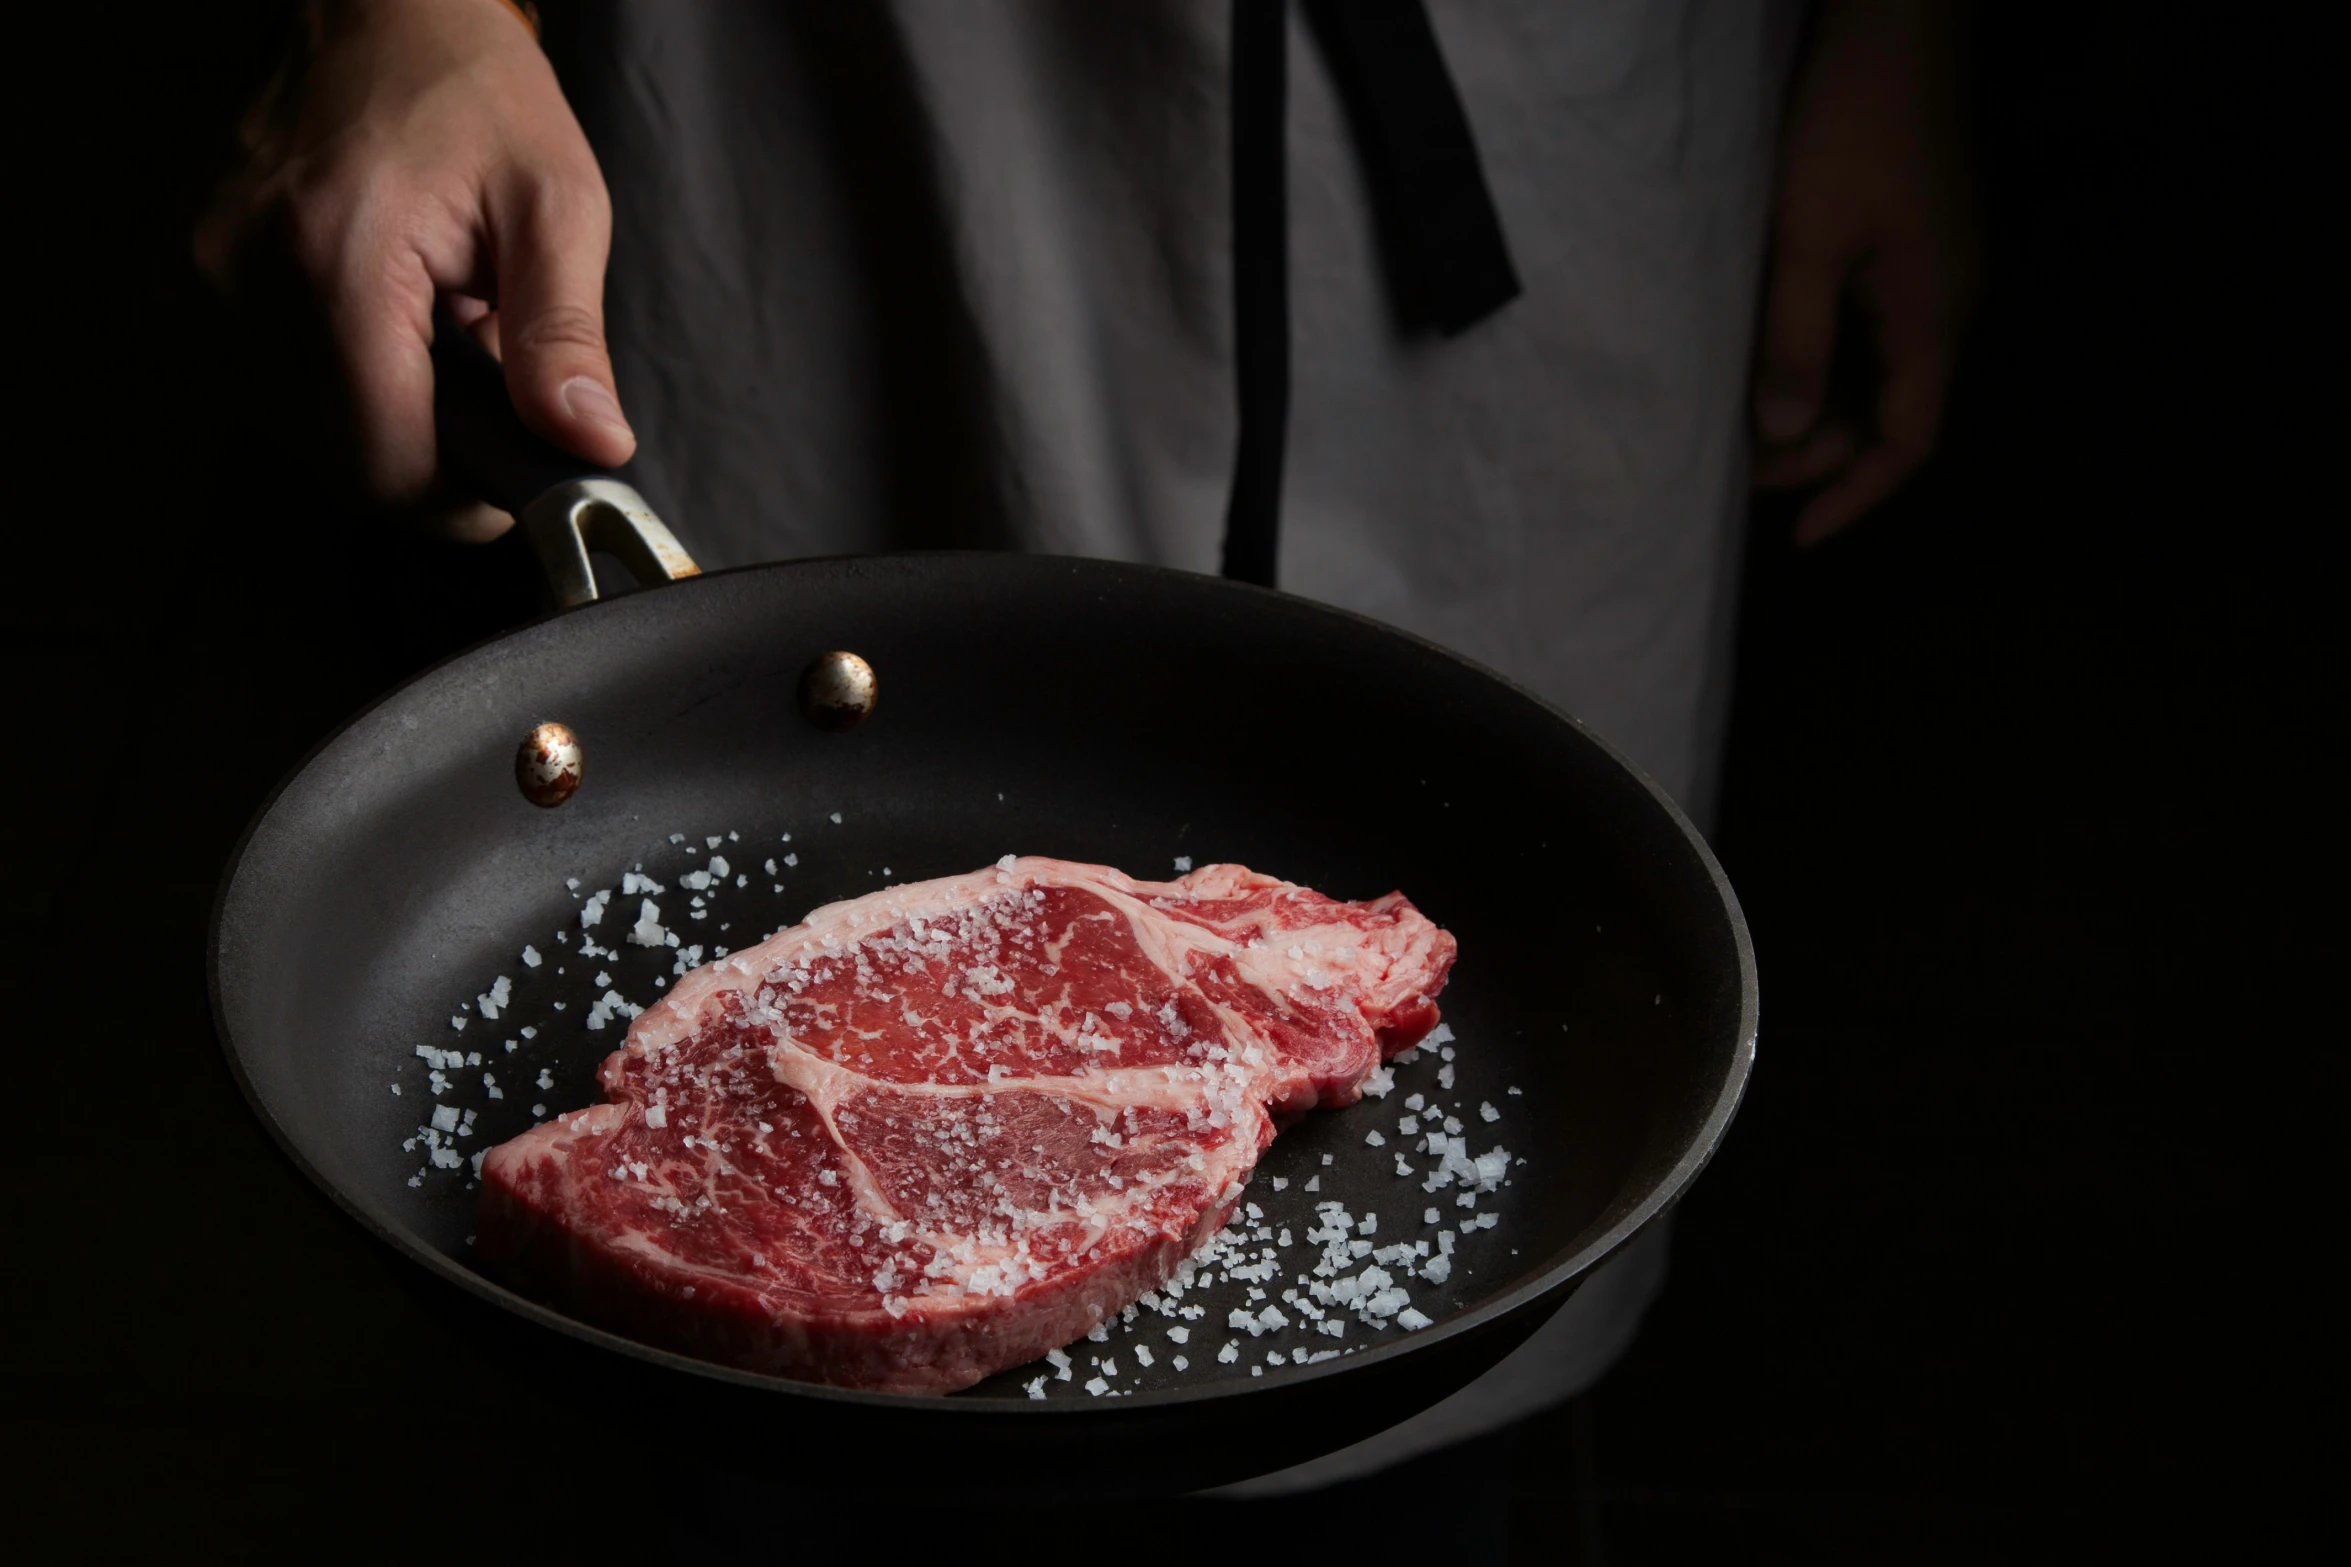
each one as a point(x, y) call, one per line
point(1604, 1001)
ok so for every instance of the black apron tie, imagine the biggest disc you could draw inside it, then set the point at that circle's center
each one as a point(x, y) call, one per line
point(1442, 248)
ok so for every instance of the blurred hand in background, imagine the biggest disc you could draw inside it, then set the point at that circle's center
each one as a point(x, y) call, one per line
point(1873, 258)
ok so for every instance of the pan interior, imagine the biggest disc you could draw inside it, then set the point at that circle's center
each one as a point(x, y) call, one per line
point(1075, 709)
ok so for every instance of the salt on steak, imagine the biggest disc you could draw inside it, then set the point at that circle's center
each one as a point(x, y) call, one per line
point(934, 1132)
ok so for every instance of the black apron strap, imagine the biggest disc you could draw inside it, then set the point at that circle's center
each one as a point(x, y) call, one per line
point(1441, 241)
point(1440, 238)
point(1261, 286)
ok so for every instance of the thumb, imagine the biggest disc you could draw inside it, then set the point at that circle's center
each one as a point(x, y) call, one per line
point(1799, 334)
point(551, 327)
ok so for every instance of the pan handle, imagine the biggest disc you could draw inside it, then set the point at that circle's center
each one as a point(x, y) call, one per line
point(567, 507)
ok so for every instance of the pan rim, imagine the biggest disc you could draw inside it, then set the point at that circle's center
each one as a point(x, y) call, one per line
point(1526, 1293)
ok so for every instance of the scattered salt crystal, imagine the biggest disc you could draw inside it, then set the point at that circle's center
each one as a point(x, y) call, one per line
point(444, 1118)
point(1179, 1335)
point(1257, 1371)
point(1442, 1034)
point(572, 883)
point(531, 958)
point(835, 818)
point(1486, 1111)
point(458, 1023)
point(1445, 1077)
point(1314, 1183)
point(1094, 1385)
point(538, 1110)
point(1375, 1139)
point(1513, 1089)
point(1227, 1355)
point(1273, 1357)
point(1280, 1184)
point(1404, 1169)
point(1142, 1354)
point(1180, 1363)
point(1003, 864)
point(791, 860)
point(1411, 1319)
point(1326, 1159)
point(1183, 862)
point(1429, 1216)
point(530, 1033)
point(1036, 1388)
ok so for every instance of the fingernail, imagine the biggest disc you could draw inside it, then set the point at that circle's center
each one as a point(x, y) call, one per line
point(1781, 417)
point(588, 402)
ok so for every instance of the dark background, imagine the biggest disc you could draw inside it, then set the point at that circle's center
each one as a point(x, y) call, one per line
point(2008, 1255)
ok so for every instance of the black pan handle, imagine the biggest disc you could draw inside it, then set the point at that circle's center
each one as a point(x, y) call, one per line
point(567, 506)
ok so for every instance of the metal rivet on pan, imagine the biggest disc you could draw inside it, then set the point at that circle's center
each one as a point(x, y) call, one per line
point(547, 766)
point(838, 691)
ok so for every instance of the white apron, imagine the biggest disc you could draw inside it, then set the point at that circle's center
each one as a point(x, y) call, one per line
point(957, 272)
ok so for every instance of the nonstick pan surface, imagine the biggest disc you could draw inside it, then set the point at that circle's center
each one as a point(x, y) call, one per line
point(1030, 705)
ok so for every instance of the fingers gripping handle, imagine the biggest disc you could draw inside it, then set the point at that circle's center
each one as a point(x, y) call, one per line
point(567, 507)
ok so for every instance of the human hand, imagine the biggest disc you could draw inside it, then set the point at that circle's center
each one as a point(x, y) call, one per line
point(414, 149)
point(1873, 257)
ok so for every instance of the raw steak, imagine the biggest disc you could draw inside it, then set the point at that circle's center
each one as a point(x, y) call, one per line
point(937, 1131)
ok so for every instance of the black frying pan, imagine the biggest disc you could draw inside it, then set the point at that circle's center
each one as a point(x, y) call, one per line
point(1083, 709)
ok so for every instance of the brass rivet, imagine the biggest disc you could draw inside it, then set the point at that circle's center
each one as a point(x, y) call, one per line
point(547, 766)
point(838, 691)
